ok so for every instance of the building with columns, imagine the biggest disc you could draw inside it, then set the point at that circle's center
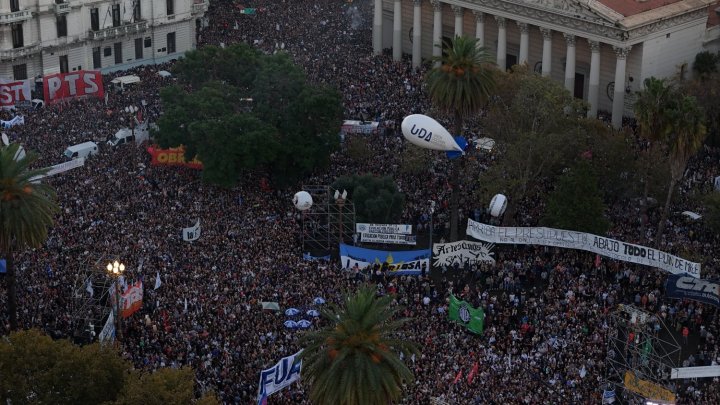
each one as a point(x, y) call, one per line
point(57, 36)
point(601, 50)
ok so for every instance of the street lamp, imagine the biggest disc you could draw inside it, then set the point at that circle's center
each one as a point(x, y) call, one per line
point(131, 109)
point(115, 270)
point(432, 211)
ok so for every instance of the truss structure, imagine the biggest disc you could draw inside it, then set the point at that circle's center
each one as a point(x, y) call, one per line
point(633, 345)
point(89, 313)
point(328, 222)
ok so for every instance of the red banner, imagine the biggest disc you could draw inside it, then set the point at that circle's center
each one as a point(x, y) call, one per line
point(13, 92)
point(74, 84)
point(172, 157)
point(131, 301)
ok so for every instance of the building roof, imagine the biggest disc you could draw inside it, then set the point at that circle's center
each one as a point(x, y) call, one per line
point(632, 7)
point(713, 18)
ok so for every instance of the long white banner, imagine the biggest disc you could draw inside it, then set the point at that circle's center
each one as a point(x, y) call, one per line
point(607, 247)
point(383, 228)
point(394, 238)
point(279, 376)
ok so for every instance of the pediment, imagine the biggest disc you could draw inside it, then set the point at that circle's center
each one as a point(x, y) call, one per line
point(590, 10)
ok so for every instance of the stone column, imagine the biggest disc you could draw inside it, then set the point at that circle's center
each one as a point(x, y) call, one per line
point(377, 28)
point(397, 30)
point(480, 27)
point(547, 51)
point(437, 29)
point(417, 33)
point(618, 106)
point(594, 83)
point(524, 42)
point(570, 63)
point(458, 19)
point(502, 43)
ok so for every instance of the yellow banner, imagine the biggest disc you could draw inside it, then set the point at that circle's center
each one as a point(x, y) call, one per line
point(647, 389)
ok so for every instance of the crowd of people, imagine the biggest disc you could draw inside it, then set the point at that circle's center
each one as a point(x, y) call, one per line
point(547, 310)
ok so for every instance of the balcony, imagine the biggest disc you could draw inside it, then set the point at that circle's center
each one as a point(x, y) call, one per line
point(62, 8)
point(10, 17)
point(200, 6)
point(17, 53)
point(113, 32)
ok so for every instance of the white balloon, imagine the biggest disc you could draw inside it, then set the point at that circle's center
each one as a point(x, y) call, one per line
point(425, 132)
point(5, 139)
point(302, 200)
point(498, 204)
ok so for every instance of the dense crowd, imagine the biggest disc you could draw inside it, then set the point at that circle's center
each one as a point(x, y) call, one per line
point(546, 330)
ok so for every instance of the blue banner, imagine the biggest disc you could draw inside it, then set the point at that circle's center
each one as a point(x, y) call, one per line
point(400, 262)
point(691, 288)
point(3, 266)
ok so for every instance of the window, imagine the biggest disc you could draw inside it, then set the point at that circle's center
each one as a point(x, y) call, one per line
point(62, 26)
point(148, 42)
point(116, 15)
point(64, 64)
point(20, 72)
point(59, 1)
point(107, 51)
point(136, 11)
point(118, 52)
point(17, 36)
point(97, 61)
point(171, 42)
point(14, 5)
point(138, 48)
point(170, 7)
point(94, 19)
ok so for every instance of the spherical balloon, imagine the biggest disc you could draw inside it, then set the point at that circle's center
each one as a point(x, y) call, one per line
point(302, 200)
point(498, 204)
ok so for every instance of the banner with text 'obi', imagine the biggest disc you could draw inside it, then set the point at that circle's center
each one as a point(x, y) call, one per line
point(405, 262)
point(607, 247)
point(73, 84)
point(172, 157)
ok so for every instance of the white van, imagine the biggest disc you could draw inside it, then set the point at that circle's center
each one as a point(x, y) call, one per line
point(121, 83)
point(84, 149)
point(121, 137)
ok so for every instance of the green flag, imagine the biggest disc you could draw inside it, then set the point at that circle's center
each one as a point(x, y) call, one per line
point(247, 11)
point(463, 313)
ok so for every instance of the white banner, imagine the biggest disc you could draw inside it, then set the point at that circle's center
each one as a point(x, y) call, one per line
point(279, 376)
point(383, 228)
point(16, 120)
point(396, 239)
point(108, 331)
point(717, 183)
point(461, 252)
point(192, 233)
point(607, 247)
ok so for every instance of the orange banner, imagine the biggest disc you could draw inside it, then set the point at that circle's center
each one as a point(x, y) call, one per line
point(172, 157)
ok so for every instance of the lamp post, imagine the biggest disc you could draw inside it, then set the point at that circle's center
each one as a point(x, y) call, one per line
point(432, 211)
point(115, 270)
point(132, 110)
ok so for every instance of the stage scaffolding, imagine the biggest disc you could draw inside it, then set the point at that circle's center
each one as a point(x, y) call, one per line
point(328, 222)
point(89, 313)
point(634, 345)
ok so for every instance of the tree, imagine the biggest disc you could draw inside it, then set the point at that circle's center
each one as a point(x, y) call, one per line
point(707, 91)
point(255, 112)
point(538, 126)
point(376, 199)
point(712, 211)
point(706, 63)
point(683, 142)
point(460, 86)
point(576, 203)
point(26, 212)
point(354, 360)
point(36, 369)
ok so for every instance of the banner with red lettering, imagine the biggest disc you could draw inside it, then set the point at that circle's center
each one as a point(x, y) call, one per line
point(12, 92)
point(172, 157)
point(73, 84)
point(131, 301)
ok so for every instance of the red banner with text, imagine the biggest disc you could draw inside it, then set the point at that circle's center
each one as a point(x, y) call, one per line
point(74, 84)
point(11, 92)
point(172, 157)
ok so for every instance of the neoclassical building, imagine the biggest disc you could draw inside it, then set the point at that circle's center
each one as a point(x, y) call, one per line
point(58, 36)
point(601, 50)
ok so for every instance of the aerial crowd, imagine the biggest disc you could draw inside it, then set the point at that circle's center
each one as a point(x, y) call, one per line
point(546, 330)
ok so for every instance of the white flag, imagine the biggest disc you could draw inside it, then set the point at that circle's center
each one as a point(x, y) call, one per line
point(89, 288)
point(192, 233)
point(158, 283)
point(185, 304)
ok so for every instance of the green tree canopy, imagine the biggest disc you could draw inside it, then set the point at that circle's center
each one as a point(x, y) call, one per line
point(376, 199)
point(576, 203)
point(240, 109)
point(706, 63)
point(354, 360)
point(36, 369)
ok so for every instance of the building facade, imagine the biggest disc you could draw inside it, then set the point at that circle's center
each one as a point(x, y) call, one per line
point(40, 37)
point(602, 50)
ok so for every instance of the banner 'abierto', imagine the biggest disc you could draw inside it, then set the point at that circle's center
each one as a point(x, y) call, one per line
point(405, 262)
point(607, 247)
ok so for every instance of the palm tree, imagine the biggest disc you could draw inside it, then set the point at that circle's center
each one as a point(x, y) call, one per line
point(651, 114)
point(26, 212)
point(354, 360)
point(684, 140)
point(460, 86)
